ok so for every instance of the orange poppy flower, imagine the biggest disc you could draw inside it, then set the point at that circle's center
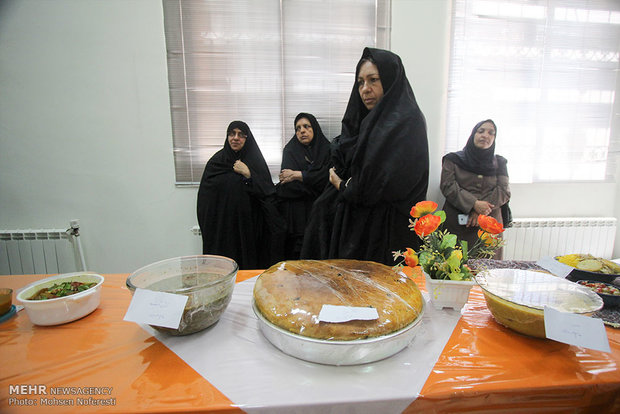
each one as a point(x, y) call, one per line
point(411, 258)
point(489, 224)
point(422, 208)
point(487, 238)
point(426, 225)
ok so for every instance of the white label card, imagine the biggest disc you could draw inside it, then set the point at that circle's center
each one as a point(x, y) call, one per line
point(553, 266)
point(156, 308)
point(336, 314)
point(574, 329)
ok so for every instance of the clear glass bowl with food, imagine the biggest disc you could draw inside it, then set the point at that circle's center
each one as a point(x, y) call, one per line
point(517, 298)
point(207, 280)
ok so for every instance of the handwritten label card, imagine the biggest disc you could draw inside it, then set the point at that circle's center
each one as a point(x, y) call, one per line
point(156, 308)
point(553, 266)
point(574, 329)
point(336, 314)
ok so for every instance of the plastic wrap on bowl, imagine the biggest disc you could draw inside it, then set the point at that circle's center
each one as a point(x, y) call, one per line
point(208, 282)
point(291, 295)
point(331, 352)
point(517, 298)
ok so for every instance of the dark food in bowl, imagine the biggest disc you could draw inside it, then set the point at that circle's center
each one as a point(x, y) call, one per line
point(59, 290)
point(207, 281)
point(200, 311)
point(609, 293)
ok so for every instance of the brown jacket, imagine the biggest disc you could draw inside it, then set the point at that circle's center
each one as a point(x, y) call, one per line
point(462, 188)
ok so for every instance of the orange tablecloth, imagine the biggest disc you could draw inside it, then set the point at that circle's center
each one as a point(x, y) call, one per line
point(484, 366)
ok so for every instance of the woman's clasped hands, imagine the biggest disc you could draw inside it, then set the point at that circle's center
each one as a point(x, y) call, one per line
point(241, 168)
point(481, 207)
point(287, 176)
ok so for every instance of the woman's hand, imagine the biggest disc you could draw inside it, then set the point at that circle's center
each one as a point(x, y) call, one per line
point(240, 168)
point(334, 179)
point(472, 219)
point(286, 176)
point(483, 207)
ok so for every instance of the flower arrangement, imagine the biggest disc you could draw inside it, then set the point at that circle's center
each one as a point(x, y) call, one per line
point(441, 256)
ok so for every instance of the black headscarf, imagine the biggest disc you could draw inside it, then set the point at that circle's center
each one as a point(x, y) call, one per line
point(384, 150)
point(382, 156)
point(236, 215)
point(312, 160)
point(250, 154)
point(477, 160)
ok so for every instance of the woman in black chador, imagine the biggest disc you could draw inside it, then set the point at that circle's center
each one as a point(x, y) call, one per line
point(380, 168)
point(236, 206)
point(304, 174)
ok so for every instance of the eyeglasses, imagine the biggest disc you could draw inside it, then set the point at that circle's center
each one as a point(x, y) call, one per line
point(233, 134)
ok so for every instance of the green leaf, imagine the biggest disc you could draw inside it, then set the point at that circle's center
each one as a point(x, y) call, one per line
point(456, 276)
point(424, 258)
point(454, 263)
point(441, 214)
point(465, 251)
point(449, 241)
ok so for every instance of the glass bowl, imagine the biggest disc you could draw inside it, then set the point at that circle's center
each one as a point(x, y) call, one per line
point(208, 282)
point(516, 298)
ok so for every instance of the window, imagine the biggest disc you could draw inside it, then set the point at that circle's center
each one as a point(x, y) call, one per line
point(546, 71)
point(262, 62)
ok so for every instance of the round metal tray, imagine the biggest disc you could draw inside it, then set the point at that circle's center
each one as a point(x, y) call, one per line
point(360, 351)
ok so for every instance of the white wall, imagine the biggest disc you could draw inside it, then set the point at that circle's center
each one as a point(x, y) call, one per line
point(421, 36)
point(85, 129)
point(85, 126)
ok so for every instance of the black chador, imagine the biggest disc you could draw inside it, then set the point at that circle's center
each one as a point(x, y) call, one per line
point(295, 198)
point(237, 215)
point(382, 158)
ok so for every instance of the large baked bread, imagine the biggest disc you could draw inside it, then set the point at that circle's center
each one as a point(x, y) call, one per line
point(291, 294)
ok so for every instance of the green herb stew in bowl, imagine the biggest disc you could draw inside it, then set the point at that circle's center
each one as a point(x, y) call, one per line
point(62, 298)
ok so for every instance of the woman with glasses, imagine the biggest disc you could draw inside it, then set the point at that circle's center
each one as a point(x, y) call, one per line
point(236, 205)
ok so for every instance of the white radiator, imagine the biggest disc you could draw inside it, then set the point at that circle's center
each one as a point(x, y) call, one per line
point(534, 238)
point(41, 251)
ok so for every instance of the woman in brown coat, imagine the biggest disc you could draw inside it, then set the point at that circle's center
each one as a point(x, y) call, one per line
point(474, 181)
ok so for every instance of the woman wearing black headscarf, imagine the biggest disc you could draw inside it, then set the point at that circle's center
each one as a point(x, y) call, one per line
point(304, 174)
point(236, 210)
point(380, 168)
point(474, 181)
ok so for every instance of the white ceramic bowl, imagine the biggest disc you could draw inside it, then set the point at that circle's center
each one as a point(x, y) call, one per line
point(65, 309)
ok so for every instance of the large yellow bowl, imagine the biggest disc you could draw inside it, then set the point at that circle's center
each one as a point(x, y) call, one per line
point(517, 298)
